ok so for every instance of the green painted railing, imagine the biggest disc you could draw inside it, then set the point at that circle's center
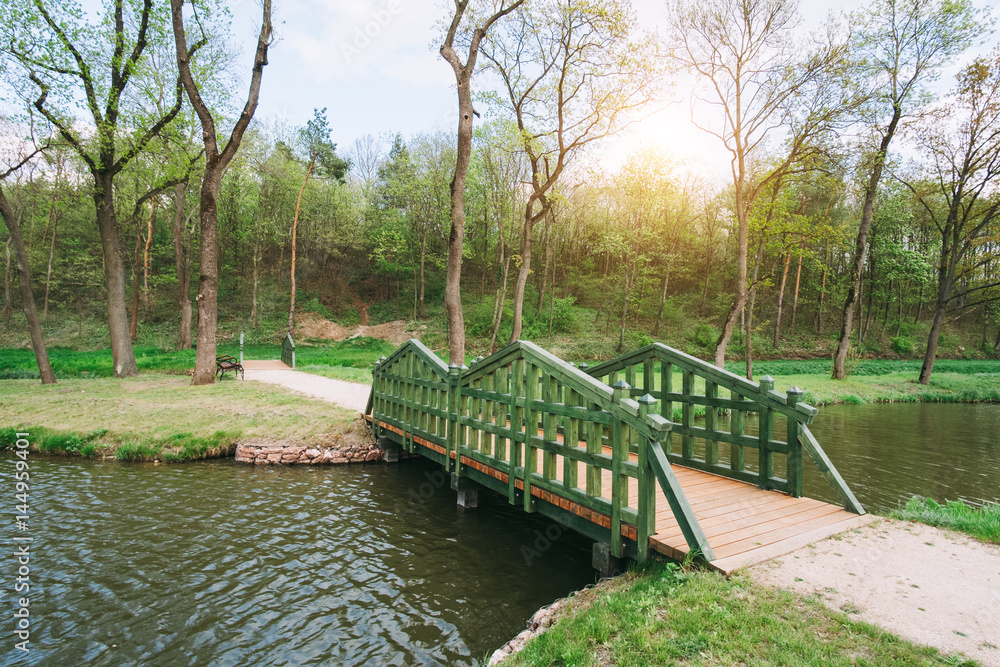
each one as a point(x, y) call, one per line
point(614, 418)
point(521, 401)
point(772, 463)
point(288, 351)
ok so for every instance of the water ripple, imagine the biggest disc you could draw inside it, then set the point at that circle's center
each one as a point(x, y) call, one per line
point(221, 564)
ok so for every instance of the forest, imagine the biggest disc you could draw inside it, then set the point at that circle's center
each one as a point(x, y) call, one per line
point(859, 217)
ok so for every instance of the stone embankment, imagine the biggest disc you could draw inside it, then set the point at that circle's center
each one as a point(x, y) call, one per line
point(275, 454)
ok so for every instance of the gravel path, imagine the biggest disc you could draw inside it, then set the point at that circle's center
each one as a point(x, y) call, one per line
point(931, 586)
point(345, 394)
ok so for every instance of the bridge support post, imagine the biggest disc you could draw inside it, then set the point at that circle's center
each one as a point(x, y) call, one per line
point(468, 494)
point(390, 450)
point(604, 561)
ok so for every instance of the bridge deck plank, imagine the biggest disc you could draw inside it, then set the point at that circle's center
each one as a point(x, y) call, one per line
point(743, 523)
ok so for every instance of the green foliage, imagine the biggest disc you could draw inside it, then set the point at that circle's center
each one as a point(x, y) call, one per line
point(980, 522)
point(705, 336)
point(314, 306)
point(902, 345)
point(137, 451)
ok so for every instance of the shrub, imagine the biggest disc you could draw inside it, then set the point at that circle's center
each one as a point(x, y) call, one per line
point(902, 345)
point(705, 335)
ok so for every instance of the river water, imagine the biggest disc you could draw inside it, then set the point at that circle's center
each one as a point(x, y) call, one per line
point(226, 564)
point(890, 451)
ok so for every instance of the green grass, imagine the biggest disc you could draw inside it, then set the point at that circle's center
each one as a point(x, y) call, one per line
point(158, 416)
point(980, 522)
point(662, 615)
point(358, 353)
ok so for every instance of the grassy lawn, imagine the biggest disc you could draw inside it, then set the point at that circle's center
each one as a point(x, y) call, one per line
point(158, 416)
point(664, 616)
point(980, 522)
point(336, 359)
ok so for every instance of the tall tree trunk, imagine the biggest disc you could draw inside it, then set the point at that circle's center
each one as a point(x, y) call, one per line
point(254, 314)
point(7, 301)
point(27, 297)
point(861, 248)
point(423, 261)
point(48, 270)
point(137, 265)
point(123, 357)
point(663, 297)
point(795, 298)
point(501, 297)
point(181, 267)
point(295, 227)
point(523, 272)
point(548, 260)
point(628, 284)
point(781, 301)
point(463, 155)
point(216, 162)
point(749, 312)
point(145, 255)
point(822, 289)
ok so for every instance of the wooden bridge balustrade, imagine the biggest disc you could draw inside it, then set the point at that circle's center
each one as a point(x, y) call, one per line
point(657, 365)
point(587, 447)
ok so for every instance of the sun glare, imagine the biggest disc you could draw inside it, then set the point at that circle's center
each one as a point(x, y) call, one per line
point(671, 132)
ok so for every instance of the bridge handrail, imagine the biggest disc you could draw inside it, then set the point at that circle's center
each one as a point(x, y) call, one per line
point(288, 351)
point(800, 412)
point(506, 408)
point(746, 397)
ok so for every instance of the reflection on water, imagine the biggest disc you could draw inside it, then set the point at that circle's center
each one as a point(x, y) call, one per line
point(889, 452)
point(215, 563)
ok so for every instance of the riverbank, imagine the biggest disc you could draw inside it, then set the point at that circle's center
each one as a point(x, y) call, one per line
point(162, 417)
point(664, 615)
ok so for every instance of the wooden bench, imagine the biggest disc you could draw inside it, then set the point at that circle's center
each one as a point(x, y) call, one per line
point(227, 363)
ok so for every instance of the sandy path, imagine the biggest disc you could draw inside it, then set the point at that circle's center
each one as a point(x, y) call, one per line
point(931, 586)
point(346, 394)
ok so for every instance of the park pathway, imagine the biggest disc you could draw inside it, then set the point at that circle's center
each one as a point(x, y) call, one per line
point(349, 395)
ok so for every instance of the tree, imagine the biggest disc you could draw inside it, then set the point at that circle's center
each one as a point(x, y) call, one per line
point(571, 75)
point(24, 278)
point(751, 69)
point(463, 81)
point(322, 154)
point(69, 63)
point(961, 196)
point(900, 47)
point(216, 161)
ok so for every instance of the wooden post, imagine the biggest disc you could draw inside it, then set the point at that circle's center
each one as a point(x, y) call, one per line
point(461, 441)
point(711, 445)
point(794, 458)
point(592, 434)
point(647, 487)
point(530, 432)
point(517, 427)
point(766, 433)
point(619, 481)
point(454, 375)
point(687, 440)
point(737, 453)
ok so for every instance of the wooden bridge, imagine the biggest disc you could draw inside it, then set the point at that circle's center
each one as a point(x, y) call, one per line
point(614, 451)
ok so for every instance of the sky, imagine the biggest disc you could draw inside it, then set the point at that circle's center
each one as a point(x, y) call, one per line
point(374, 65)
